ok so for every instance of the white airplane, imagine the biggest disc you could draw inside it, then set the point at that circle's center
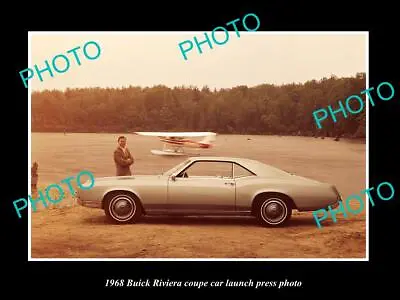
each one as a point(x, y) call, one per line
point(174, 142)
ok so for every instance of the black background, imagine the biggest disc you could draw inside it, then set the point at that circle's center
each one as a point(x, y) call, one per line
point(319, 279)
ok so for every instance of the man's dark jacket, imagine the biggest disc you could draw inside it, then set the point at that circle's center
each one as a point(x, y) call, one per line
point(121, 162)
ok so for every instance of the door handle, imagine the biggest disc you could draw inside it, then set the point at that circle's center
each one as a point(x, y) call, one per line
point(231, 183)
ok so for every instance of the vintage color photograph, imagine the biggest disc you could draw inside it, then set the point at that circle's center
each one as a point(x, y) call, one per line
point(215, 157)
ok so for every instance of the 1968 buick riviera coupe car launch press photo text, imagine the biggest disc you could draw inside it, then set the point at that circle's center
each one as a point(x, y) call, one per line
point(210, 186)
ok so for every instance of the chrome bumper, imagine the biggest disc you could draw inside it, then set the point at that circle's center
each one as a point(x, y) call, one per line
point(334, 205)
point(89, 203)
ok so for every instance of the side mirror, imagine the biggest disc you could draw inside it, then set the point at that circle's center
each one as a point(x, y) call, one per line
point(173, 177)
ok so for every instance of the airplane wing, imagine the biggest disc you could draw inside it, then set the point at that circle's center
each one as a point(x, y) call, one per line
point(176, 134)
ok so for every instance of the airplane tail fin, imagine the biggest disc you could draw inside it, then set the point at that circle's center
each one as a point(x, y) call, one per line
point(208, 139)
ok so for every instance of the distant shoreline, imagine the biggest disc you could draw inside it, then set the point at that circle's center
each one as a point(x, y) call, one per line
point(344, 138)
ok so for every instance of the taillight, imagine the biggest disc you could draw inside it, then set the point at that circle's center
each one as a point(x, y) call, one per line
point(339, 197)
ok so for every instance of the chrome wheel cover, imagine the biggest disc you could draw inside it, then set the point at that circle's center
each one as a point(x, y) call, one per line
point(274, 211)
point(122, 208)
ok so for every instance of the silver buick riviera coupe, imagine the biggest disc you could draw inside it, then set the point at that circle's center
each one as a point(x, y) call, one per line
point(217, 186)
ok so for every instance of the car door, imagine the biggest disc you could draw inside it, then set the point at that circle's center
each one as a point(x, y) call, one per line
point(203, 187)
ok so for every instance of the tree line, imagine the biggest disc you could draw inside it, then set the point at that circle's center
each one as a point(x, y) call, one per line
point(264, 109)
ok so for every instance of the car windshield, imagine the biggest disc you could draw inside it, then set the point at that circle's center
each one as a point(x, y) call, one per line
point(175, 168)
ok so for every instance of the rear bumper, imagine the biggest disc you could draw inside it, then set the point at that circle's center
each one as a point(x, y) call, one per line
point(333, 206)
point(336, 203)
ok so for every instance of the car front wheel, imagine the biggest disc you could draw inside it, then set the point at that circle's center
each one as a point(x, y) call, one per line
point(274, 211)
point(122, 208)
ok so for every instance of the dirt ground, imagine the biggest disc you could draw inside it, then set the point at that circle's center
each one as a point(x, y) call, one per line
point(71, 231)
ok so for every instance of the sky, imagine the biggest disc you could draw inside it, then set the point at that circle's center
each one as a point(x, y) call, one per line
point(149, 58)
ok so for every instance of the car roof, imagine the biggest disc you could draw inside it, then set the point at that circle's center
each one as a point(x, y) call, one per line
point(258, 167)
point(224, 158)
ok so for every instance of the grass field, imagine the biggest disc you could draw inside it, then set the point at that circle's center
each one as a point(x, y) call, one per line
point(71, 231)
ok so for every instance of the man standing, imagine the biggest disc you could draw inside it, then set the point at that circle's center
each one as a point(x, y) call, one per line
point(123, 158)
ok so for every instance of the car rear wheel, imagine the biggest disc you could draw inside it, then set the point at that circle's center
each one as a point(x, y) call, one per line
point(274, 211)
point(122, 208)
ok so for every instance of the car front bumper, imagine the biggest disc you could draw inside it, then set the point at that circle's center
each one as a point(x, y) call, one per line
point(87, 203)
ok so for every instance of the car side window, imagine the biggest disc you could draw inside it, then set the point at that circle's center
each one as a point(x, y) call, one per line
point(239, 171)
point(209, 169)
